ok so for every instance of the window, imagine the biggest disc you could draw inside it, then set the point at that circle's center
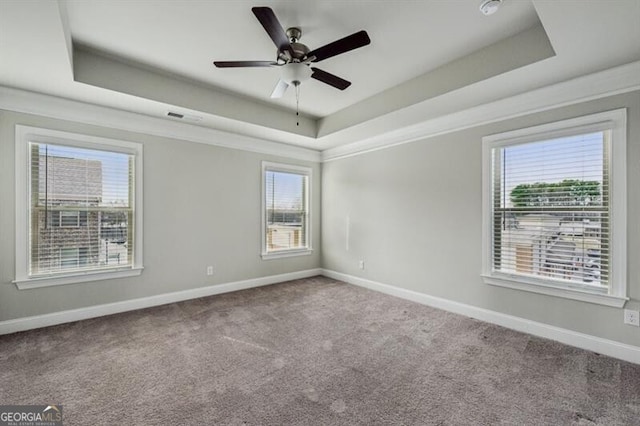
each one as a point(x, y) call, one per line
point(67, 218)
point(79, 208)
point(555, 209)
point(69, 258)
point(285, 210)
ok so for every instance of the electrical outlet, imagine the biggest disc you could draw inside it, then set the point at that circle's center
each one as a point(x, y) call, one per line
point(361, 264)
point(209, 270)
point(632, 317)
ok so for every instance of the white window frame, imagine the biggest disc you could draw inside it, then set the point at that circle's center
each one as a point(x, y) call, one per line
point(23, 136)
point(616, 122)
point(285, 168)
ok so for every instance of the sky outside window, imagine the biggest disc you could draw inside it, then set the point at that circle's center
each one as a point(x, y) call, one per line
point(576, 157)
point(284, 190)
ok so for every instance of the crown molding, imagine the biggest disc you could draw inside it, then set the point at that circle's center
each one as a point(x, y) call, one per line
point(617, 80)
point(65, 109)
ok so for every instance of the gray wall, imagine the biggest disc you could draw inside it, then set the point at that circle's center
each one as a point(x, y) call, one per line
point(416, 211)
point(201, 207)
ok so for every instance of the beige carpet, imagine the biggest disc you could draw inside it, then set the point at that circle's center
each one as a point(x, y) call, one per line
point(310, 352)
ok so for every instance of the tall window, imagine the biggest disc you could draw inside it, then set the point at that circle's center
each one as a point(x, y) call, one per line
point(80, 202)
point(285, 210)
point(551, 197)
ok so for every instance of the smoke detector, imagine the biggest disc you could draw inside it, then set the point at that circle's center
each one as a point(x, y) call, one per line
point(489, 7)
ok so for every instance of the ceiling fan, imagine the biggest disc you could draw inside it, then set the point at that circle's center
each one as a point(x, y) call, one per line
point(295, 58)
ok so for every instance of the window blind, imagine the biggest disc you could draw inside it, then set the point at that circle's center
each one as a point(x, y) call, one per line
point(81, 209)
point(286, 210)
point(551, 210)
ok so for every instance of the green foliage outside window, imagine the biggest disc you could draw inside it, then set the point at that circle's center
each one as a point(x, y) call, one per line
point(569, 192)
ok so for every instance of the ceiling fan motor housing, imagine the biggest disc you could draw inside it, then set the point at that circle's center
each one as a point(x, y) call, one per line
point(299, 50)
point(296, 51)
point(294, 34)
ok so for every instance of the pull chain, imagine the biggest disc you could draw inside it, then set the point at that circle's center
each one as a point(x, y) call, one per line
point(297, 103)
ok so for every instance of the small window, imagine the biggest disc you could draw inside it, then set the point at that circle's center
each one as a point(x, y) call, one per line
point(70, 219)
point(79, 199)
point(555, 208)
point(285, 213)
point(66, 219)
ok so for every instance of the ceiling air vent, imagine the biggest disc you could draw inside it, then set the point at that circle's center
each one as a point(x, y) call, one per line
point(186, 117)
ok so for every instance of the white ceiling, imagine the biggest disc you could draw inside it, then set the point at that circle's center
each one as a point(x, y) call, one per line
point(423, 56)
point(408, 39)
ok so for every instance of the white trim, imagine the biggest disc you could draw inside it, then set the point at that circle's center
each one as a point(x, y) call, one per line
point(74, 278)
point(64, 109)
point(286, 253)
point(580, 340)
point(45, 135)
point(28, 323)
point(616, 121)
point(557, 129)
point(520, 283)
point(614, 81)
point(617, 80)
point(618, 191)
point(26, 134)
point(286, 168)
point(487, 196)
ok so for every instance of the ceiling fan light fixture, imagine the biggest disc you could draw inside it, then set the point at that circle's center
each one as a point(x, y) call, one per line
point(489, 7)
point(295, 73)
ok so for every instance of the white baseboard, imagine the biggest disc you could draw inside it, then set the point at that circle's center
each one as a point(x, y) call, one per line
point(38, 321)
point(584, 341)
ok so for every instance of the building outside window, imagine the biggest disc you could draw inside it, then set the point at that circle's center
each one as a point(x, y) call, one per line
point(555, 208)
point(66, 186)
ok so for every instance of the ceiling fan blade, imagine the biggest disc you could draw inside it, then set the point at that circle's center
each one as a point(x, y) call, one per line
point(354, 41)
point(272, 26)
point(330, 79)
point(237, 64)
point(279, 90)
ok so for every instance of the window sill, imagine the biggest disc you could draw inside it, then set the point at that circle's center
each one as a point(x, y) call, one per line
point(552, 290)
point(286, 253)
point(29, 283)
